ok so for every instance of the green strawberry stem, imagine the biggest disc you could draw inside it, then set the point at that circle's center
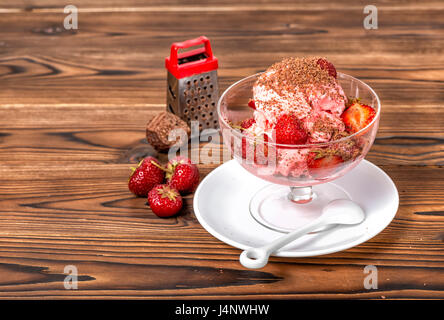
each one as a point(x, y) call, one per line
point(168, 170)
point(132, 172)
point(168, 192)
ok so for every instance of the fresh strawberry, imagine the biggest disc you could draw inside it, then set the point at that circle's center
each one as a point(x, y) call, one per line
point(323, 166)
point(289, 130)
point(164, 200)
point(245, 124)
point(184, 178)
point(327, 65)
point(173, 163)
point(252, 104)
point(357, 116)
point(145, 176)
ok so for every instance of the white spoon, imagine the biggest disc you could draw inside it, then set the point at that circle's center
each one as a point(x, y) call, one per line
point(339, 211)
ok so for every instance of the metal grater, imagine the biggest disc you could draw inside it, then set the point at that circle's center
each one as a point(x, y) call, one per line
point(192, 91)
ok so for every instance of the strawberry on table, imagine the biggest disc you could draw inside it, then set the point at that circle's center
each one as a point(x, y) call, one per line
point(357, 116)
point(145, 176)
point(289, 130)
point(185, 178)
point(173, 163)
point(182, 174)
point(164, 200)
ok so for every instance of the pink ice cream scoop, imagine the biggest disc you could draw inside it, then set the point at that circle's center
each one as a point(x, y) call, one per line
point(299, 87)
point(303, 88)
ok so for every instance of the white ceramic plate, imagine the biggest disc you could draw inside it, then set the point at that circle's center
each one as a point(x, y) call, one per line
point(221, 204)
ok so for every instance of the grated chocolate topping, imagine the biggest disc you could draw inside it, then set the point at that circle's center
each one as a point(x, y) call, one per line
point(303, 73)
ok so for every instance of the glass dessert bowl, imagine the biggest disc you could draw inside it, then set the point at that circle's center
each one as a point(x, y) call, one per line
point(301, 175)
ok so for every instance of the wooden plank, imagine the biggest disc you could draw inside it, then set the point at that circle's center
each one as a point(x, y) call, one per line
point(36, 5)
point(51, 218)
point(73, 109)
point(118, 58)
point(75, 133)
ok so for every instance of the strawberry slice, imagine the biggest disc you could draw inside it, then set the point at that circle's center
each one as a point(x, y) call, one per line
point(324, 166)
point(252, 104)
point(289, 130)
point(245, 124)
point(357, 116)
point(327, 65)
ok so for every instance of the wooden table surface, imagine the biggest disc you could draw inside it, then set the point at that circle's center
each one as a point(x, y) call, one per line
point(73, 110)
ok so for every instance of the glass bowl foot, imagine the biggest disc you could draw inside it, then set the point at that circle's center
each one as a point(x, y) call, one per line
point(285, 209)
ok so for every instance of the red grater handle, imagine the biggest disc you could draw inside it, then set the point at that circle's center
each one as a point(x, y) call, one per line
point(190, 43)
point(189, 68)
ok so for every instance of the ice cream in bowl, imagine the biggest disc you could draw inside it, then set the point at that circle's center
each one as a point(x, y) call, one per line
point(299, 125)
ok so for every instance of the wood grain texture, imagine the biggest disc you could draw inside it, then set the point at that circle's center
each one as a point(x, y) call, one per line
point(73, 110)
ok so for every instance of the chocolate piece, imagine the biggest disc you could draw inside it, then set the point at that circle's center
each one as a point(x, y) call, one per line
point(158, 129)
